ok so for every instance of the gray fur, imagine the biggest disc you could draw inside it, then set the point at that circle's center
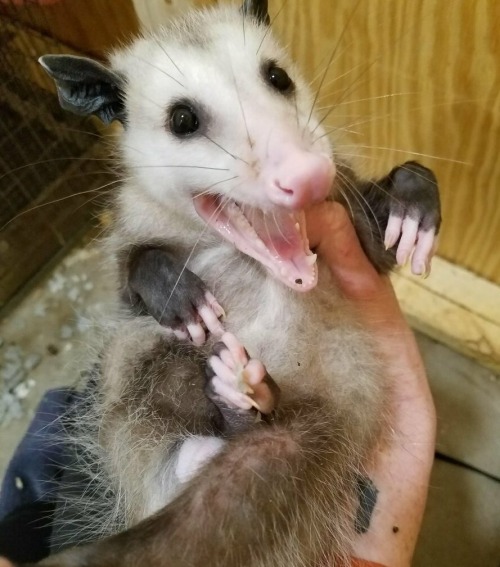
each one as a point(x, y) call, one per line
point(257, 9)
point(155, 284)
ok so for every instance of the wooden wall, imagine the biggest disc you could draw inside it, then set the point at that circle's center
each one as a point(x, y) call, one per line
point(88, 26)
point(416, 79)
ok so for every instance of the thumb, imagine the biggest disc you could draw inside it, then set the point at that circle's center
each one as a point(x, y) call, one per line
point(332, 233)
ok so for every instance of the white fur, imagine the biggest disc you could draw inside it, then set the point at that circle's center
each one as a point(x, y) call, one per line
point(194, 453)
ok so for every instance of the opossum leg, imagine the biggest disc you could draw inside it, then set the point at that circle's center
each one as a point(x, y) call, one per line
point(396, 215)
point(239, 386)
point(152, 400)
point(285, 494)
point(159, 285)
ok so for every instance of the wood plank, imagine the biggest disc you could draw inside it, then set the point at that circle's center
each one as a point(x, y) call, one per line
point(461, 522)
point(456, 307)
point(89, 26)
point(467, 398)
point(155, 13)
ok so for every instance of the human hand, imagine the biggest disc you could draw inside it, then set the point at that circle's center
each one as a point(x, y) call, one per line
point(400, 468)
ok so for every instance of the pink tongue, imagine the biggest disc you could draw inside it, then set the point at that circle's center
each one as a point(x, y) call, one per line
point(279, 233)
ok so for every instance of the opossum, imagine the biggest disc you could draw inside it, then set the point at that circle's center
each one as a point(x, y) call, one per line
point(238, 398)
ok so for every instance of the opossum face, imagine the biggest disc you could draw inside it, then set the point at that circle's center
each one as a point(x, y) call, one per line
point(219, 123)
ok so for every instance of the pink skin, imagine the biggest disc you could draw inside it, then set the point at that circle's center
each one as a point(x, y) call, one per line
point(299, 179)
point(240, 380)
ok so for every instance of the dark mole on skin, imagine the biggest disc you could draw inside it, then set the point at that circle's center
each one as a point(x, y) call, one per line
point(298, 281)
point(395, 529)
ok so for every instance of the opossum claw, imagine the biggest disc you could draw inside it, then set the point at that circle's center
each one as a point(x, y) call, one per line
point(215, 305)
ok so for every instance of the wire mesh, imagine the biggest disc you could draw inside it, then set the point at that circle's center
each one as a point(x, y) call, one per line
point(39, 146)
point(35, 134)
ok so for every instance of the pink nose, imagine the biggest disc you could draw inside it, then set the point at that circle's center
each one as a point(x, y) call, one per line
point(300, 179)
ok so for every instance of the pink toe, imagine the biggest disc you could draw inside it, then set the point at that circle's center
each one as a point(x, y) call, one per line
point(235, 348)
point(393, 231)
point(408, 239)
point(197, 333)
point(211, 321)
point(423, 252)
point(254, 371)
point(222, 371)
point(231, 395)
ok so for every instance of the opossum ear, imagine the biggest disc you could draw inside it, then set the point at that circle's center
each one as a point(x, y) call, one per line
point(85, 86)
point(257, 9)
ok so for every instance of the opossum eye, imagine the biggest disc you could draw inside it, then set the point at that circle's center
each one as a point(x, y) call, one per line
point(183, 120)
point(278, 78)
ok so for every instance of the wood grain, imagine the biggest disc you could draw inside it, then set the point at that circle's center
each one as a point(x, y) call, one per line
point(455, 307)
point(88, 26)
point(416, 79)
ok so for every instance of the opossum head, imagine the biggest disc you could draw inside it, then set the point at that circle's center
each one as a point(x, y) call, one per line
point(220, 125)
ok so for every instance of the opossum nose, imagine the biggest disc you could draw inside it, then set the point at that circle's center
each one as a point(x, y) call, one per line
point(300, 180)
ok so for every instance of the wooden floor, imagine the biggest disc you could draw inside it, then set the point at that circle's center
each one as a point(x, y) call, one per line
point(462, 524)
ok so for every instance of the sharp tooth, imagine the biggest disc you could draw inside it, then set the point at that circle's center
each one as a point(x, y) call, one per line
point(297, 226)
point(283, 272)
point(311, 260)
point(260, 244)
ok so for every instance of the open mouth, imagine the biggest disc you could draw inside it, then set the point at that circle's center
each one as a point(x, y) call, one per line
point(277, 239)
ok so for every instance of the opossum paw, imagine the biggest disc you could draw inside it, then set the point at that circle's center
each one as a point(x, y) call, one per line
point(415, 216)
point(238, 383)
point(206, 318)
